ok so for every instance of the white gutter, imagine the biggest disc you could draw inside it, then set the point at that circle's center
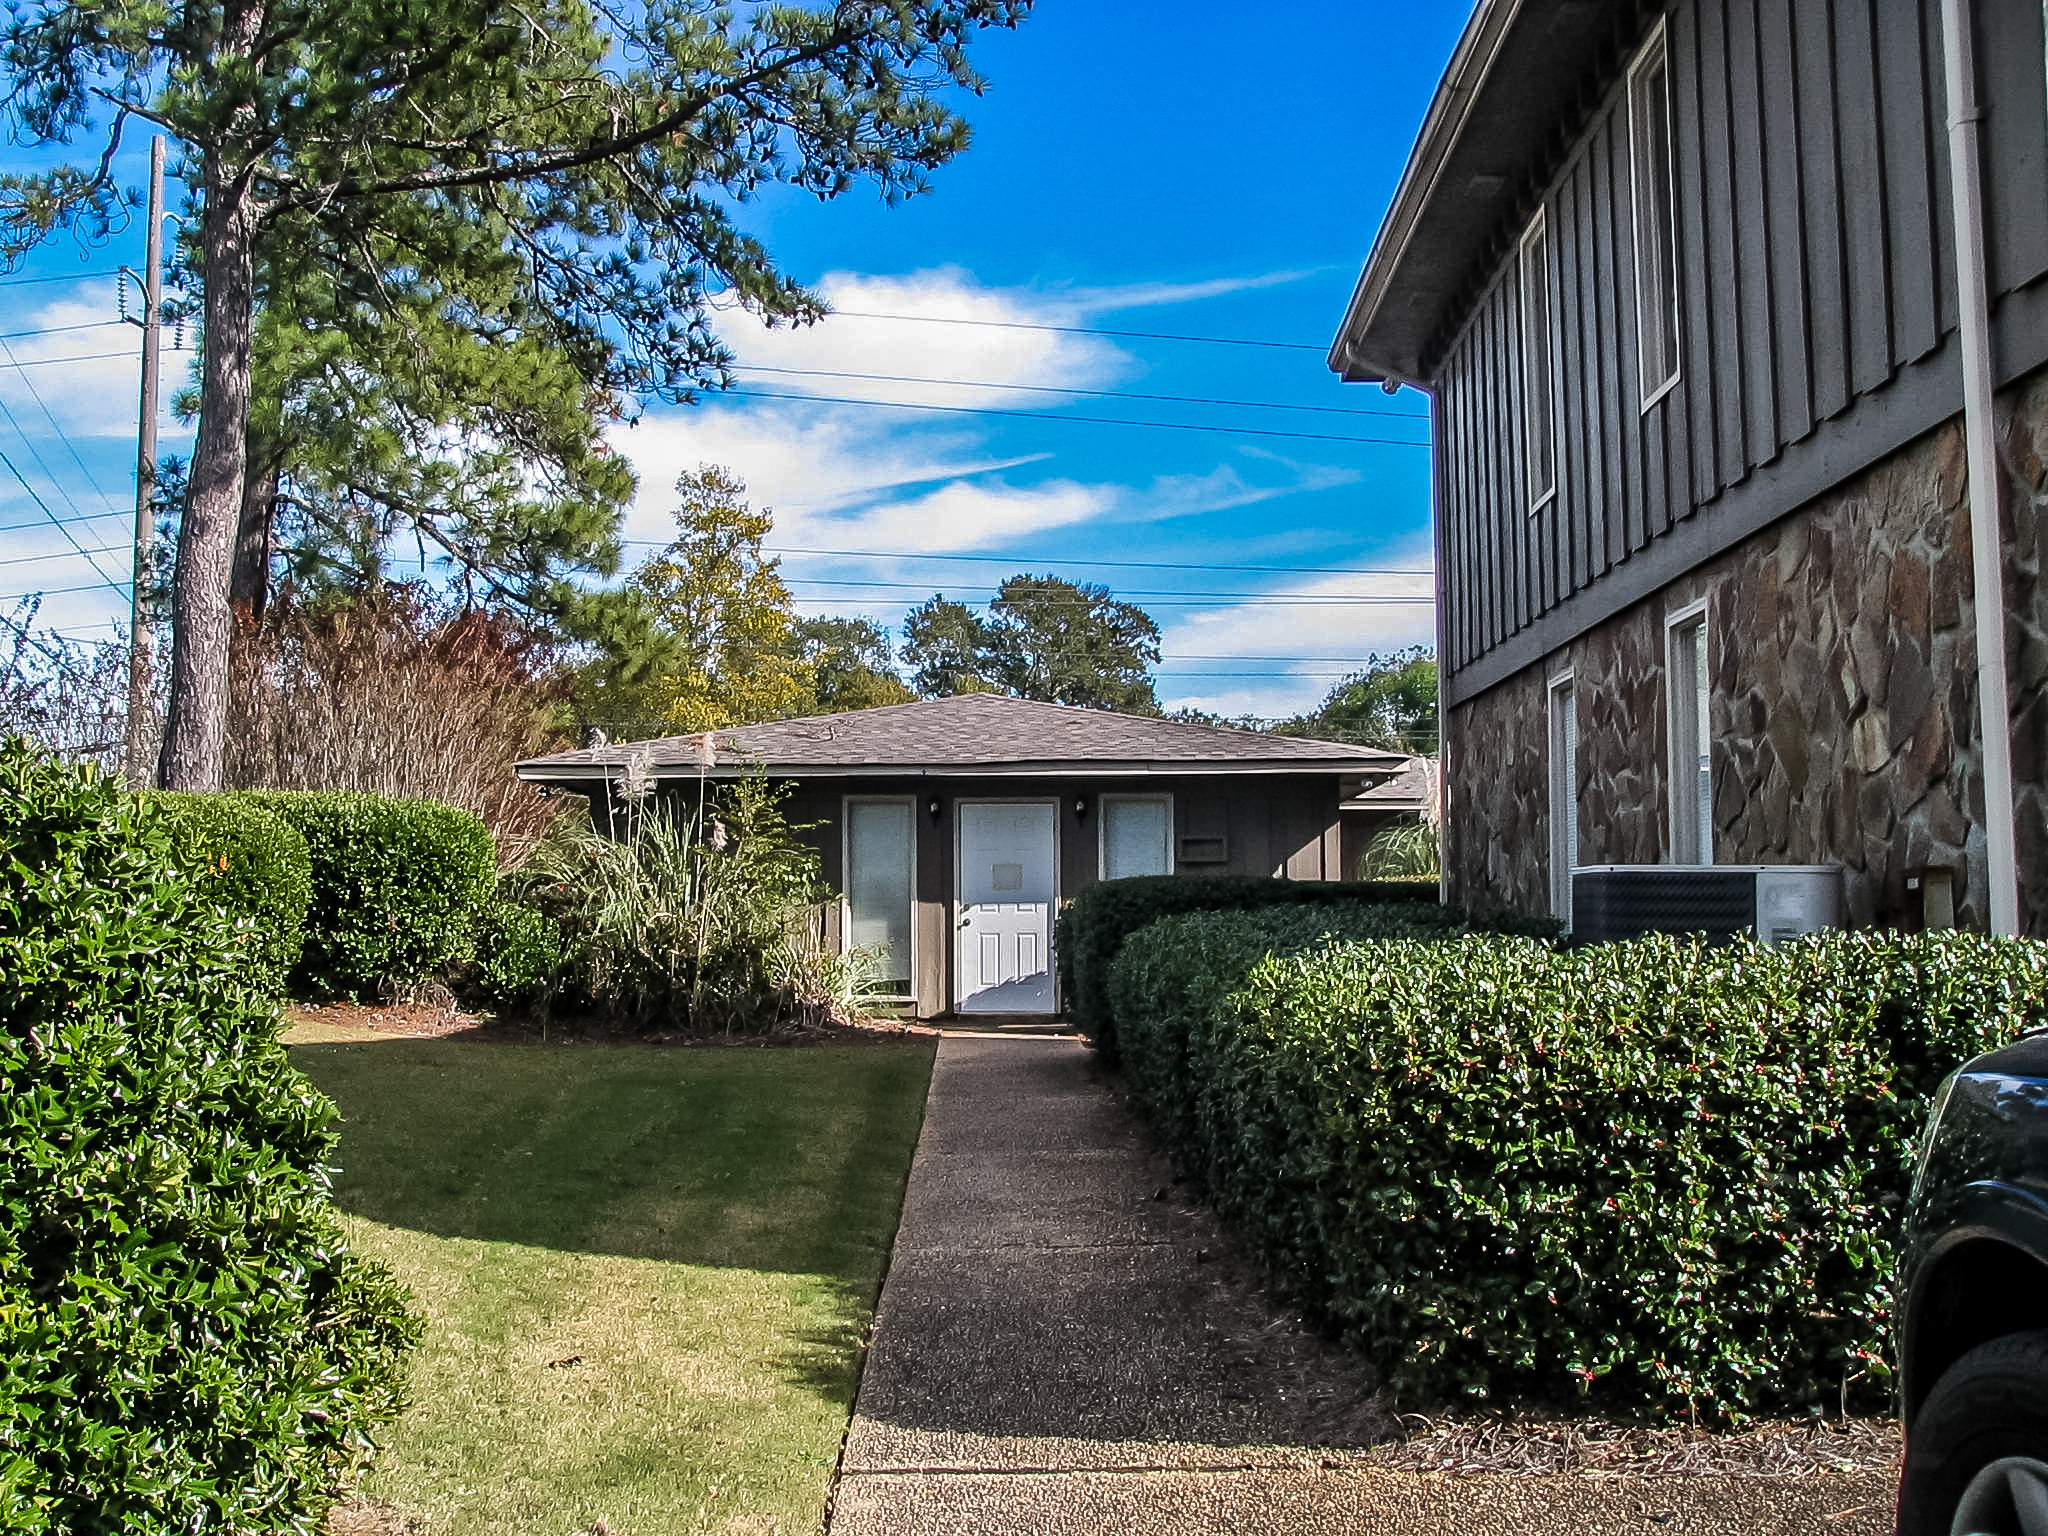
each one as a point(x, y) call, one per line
point(1981, 444)
point(1471, 63)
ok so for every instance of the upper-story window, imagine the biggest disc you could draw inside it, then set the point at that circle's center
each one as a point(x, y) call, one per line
point(1649, 138)
point(1539, 417)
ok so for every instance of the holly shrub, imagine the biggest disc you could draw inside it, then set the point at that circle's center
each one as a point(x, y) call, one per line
point(253, 863)
point(397, 886)
point(186, 1342)
point(1653, 1172)
point(1097, 921)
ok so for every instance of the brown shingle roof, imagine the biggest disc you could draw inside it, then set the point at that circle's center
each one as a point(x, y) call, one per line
point(972, 733)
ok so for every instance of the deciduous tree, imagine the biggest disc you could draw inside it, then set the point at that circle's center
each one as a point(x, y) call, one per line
point(1044, 638)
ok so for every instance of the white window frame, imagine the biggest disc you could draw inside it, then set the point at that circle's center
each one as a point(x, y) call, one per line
point(1102, 805)
point(1539, 447)
point(1683, 790)
point(1561, 709)
point(846, 805)
point(1654, 52)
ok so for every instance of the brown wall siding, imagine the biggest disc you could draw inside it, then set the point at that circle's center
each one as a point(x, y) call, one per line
point(1843, 715)
point(1274, 826)
point(1814, 268)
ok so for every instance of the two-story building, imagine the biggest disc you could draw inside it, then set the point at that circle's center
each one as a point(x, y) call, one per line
point(1734, 319)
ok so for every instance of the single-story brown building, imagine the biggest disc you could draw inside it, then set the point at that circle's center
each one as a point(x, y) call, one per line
point(953, 828)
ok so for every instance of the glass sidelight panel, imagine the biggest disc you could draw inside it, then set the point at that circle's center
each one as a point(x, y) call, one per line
point(879, 847)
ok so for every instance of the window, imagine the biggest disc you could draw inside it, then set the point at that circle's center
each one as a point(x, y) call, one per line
point(1564, 795)
point(1539, 419)
point(1692, 786)
point(1649, 139)
point(1137, 835)
point(881, 839)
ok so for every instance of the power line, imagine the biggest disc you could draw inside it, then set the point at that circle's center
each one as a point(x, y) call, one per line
point(1130, 565)
point(65, 554)
point(1335, 597)
point(91, 586)
point(1100, 421)
point(1167, 602)
point(43, 405)
point(76, 277)
point(1098, 394)
point(38, 500)
point(59, 330)
point(89, 357)
point(65, 522)
point(1083, 330)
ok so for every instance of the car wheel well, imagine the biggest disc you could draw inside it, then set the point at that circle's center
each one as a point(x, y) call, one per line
point(1979, 1291)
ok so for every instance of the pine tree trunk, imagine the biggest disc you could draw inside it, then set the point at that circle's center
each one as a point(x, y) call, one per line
point(249, 585)
point(195, 732)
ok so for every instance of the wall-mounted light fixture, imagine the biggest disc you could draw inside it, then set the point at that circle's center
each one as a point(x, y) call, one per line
point(1080, 806)
point(932, 808)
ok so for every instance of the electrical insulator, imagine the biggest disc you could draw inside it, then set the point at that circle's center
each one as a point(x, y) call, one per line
point(121, 289)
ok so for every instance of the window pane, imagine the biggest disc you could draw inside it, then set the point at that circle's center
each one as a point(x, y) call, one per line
point(1692, 800)
point(878, 857)
point(1134, 834)
point(1564, 798)
point(1538, 420)
point(1655, 225)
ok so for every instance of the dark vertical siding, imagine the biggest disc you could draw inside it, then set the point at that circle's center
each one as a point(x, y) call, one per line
point(1860, 146)
point(1813, 67)
point(1811, 185)
point(1694, 478)
point(1905, 111)
point(2016, 141)
point(1780, 92)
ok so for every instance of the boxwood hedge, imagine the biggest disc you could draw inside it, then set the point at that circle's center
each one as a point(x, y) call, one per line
point(397, 886)
point(253, 863)
point(1096, 923)
point(186, 1343)
point(1645, 1172)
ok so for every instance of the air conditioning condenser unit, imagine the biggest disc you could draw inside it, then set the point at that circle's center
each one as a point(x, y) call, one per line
point(1773, 902)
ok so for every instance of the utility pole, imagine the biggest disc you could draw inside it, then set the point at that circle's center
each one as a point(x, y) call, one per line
point(142, 745)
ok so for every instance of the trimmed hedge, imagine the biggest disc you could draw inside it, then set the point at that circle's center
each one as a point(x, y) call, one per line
point(251, 862)
point(1097, 921)
point(397, 886)
point(1644, 1172)
point(186, 1343)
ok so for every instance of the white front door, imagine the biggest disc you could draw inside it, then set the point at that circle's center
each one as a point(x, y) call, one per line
point(1002, 960)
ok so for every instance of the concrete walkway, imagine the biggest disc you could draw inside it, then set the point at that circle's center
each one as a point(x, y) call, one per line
point(1064, 1344)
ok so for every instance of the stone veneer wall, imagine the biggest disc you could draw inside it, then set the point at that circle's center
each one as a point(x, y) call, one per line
point(1843, 660)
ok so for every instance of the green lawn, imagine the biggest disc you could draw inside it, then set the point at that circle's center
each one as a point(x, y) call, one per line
point(647, 1274)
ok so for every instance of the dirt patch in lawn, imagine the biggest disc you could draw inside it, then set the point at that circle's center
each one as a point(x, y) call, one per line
point(372, 1517)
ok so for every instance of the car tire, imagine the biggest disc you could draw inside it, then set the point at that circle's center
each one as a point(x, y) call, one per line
point(1984, 1423)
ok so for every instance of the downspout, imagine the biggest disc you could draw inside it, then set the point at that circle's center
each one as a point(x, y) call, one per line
point(1980, 441)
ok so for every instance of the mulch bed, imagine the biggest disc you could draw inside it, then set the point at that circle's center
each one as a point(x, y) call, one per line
point(438, 1021)
point(1597, 1448)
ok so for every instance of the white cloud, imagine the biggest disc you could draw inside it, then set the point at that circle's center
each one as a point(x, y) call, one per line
point(1341, 618)
point(909, 327)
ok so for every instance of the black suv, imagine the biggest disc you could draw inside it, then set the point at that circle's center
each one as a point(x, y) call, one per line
point(1973, 1357)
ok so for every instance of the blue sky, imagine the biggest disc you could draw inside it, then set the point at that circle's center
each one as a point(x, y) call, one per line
point(1141, 166)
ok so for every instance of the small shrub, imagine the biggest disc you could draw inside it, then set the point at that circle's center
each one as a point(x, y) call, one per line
point(397, 885)
point(520, 959)
point(1645, 1172)
point(253, 864)
point(1096, 923)
point(186, 1343)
